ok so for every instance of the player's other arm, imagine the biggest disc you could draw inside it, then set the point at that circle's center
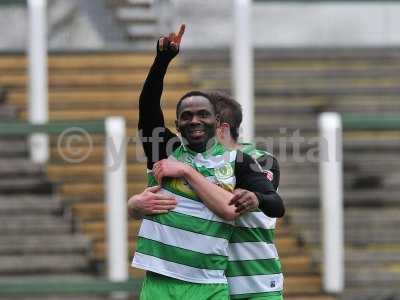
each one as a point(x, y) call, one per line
point(270, 167)
point(251, 183)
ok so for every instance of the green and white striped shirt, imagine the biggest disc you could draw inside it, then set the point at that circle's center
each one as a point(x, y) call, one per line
point(254, 268)
point(190, 242)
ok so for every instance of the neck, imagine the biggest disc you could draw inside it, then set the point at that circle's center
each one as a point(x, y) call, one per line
point(200, 148)
point(230, 143)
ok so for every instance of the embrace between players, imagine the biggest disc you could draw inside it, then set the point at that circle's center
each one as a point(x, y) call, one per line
point(210, 210)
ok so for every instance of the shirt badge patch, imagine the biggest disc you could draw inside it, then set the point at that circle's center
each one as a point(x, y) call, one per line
point(269, 175)
point(224, 172)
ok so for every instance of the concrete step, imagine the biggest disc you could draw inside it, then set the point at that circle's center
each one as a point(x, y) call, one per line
point(362, 217)
point(32, 282)
point(13, 147)
point(8, 112)
point(2, 95)
point(313, 87)
point(87, 60)
point(356, 236)
point(371, 145)
point(131, 115)
point(99, 79)
point(26, 185)
point(265, 71)
point(356, 180)
point(265, 91)
point(372, 198)
point(371, 293)
point(86, 100)
point(34, 224)
point(361, 257)
point(43, 244)
point(19, 167)
point(39, 264)
point(22, 205)
point(365, 277)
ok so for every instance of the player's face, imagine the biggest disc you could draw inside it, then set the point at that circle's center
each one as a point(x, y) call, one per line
point(196, 122)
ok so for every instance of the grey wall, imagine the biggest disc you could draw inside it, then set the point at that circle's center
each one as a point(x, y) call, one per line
point(70, 26)
point(293, 24)
point(77, 24)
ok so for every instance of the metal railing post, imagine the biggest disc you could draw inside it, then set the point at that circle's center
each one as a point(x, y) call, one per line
point(116, 199)
point(331, 189)
point(38, 78)
point(242, 65)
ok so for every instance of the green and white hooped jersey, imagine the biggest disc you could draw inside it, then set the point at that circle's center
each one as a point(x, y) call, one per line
point(254, 268)
point(189, 243)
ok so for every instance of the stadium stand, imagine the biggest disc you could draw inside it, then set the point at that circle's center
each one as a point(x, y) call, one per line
point(87, 86)
point(292, 88)
point(37, 236)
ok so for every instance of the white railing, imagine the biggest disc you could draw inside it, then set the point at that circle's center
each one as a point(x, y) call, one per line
point(38, 78)
point(243, 65)
point(331, 189)
point(116, 197)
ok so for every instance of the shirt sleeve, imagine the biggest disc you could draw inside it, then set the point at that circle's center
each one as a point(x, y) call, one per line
point(250, 177)
point(157, 140)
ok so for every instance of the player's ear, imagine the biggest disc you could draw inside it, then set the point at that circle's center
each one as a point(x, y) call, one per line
point(217, 120)
point(225, 129)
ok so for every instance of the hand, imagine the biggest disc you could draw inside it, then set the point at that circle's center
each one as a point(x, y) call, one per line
point(150, 202)
point(170, 45)
point(244, 201)
point(169, 168)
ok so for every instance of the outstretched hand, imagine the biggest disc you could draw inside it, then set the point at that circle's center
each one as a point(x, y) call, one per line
point(170, 44)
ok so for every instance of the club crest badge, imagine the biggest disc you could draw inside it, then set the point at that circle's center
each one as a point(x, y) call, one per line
point(224, 172)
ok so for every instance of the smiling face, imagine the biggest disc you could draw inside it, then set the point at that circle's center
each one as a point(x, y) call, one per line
point(196, 121)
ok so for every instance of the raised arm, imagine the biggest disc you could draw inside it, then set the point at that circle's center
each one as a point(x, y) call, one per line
point(150, 113)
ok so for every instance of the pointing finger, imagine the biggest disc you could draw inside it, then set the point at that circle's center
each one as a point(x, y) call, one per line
point(180, 34)
point(161, 43)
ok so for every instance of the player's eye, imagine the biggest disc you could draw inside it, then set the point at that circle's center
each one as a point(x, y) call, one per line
point(203, 114)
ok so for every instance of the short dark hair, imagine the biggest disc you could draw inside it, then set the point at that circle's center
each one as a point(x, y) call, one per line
point(229, 111)
point(194, 93)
